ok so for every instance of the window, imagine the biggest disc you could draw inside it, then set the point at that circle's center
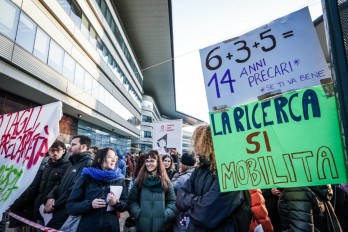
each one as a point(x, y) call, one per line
point(55, 57)
point(9, 14)
point(146, 118)
point(76, 13)
point(85, 26)
point(66, 4)
point(79, 76)
point(93, 37)
point(103, 7)
point(26, 32)
point(147, 134)
point(99, 46)
point(42, 42)
point(69, 67)
point(108, 16)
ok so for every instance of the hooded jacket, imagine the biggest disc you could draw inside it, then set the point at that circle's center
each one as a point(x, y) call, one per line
point(62, 190)
point(208, 208)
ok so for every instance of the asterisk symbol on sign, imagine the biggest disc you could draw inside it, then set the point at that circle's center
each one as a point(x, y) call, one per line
point(262, 89)
point(297, 62)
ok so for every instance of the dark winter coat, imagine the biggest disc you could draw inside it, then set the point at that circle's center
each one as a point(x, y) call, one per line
point(207, 207)
point(303, 209)
point(272, 208)
point(84, 192)
point(340, 203)
point(179, 180)
point(152, 211)
point(24, 205)
point(52, 174)
point(61, 192)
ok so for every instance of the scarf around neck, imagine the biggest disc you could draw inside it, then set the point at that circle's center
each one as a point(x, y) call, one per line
point(154, 184)
point(103, 175)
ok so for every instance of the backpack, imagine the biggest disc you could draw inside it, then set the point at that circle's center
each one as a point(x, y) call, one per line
point(243, 214)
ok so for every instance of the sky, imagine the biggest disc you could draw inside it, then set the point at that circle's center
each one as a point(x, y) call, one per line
point(200, 23)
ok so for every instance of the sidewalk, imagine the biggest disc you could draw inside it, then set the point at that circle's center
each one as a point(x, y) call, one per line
point(123, 218)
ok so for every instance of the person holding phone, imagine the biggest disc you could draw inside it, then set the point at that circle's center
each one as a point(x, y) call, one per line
point(91, 196)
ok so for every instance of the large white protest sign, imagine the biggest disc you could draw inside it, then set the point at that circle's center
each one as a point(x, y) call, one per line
point(25, 137)
point(282, 55)
point(167, 135)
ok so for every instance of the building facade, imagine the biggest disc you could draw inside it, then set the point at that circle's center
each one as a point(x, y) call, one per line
point(149, 115)
point(75, 52)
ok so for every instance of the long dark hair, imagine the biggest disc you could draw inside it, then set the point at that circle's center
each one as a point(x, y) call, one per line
point(100, 157)
point(171, 168)
point(161, 171)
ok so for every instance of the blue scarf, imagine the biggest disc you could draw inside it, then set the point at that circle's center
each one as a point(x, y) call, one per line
point(103, 175)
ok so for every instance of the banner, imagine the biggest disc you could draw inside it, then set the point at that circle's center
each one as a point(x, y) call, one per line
point(281, 56)
point(167, 135)
point(292, 140)
point(25, 136)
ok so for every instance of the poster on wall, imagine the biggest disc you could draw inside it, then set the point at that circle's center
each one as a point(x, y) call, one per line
point(25, 137)
point(167, 135)
point(281, 56)
point(287, 141)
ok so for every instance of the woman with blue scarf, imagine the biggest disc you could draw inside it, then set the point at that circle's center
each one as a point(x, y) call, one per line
point(91, 196)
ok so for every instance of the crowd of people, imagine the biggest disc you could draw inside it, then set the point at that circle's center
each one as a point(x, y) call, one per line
point(169, 192)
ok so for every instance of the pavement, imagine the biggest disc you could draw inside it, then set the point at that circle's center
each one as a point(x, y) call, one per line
point(123, 218)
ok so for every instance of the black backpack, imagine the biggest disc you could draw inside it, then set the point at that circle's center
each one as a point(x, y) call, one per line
point(243, 214)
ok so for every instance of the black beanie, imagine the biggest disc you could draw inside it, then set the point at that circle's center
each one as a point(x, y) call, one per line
point(188, 159)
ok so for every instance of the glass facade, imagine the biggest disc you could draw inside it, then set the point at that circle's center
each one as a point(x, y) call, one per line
point(8, 19)
point(42, 43)
point(103, 138)
point(37, 42)
point(90, 33)
point(113, 26)
point(26, 32)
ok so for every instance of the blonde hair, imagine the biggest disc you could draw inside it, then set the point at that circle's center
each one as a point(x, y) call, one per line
point(202, 141)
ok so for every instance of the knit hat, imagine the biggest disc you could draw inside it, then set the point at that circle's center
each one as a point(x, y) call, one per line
point(188, 159)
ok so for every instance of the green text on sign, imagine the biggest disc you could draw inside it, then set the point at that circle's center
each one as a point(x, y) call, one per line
point(292, 140)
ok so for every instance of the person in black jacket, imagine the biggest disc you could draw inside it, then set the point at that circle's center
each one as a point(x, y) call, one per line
point(340, 203)
point(24, 204)
point(92, 198)
point(305, 208)
point(207, 208)
point(56, 166)
point(55, 201)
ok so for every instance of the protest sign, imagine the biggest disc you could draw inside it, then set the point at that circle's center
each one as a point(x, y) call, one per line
point(292, 140)
point(25, 138)
point(167, 135)
point(281, 56)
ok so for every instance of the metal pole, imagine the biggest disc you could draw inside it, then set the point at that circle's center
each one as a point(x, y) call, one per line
point(339, 69)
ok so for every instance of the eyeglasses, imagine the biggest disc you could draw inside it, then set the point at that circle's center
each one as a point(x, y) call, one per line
point(53, 150)
point(152, 161)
